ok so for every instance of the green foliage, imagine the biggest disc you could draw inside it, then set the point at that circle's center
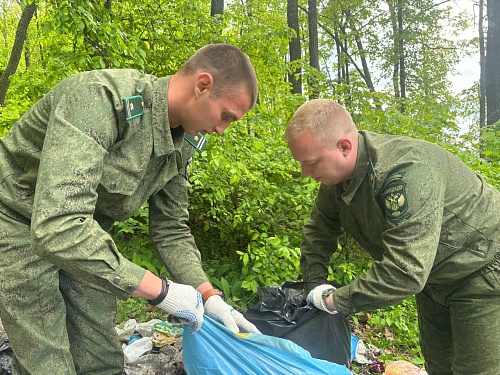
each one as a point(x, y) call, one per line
point(131, 309)
point(136, 308)
point(131, 237)
point(269, 261)
point(250, 201)
point(349, 262)
point(229, 280)
point(397, 326)
point(98, 37)
point(490, 143)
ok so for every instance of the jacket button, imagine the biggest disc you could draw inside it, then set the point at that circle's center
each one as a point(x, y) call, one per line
point(117, 279)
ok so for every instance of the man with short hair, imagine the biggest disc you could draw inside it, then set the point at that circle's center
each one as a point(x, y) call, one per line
point(430, 223)
point(90, 153)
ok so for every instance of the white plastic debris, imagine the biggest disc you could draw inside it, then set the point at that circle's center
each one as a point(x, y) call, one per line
point(137, 348)
point(128, 330)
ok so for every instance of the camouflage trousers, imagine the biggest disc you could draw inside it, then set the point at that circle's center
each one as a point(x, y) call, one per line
point(56, 324)
point(460, 324)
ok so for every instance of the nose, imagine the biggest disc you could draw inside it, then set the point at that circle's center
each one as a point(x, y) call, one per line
point(306, 170)
point(219, 129)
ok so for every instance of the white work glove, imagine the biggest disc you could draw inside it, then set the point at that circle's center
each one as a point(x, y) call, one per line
point(184, 303)
point(318, 295)
point(217, 309)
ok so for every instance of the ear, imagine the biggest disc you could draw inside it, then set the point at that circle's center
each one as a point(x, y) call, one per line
point(204, 82)
point(345, 144)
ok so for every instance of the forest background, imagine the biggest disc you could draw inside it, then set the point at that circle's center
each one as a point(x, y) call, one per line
point(388, 62)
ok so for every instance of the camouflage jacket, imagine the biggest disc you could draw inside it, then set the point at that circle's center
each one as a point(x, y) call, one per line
point(422, 214)
point(73, 164)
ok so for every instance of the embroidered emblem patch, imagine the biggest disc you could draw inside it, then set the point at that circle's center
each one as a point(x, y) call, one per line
point(395, 201)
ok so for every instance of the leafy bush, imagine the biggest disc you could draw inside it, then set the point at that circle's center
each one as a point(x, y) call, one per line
point(248, 203)
point(132, 238)
point(396, 327)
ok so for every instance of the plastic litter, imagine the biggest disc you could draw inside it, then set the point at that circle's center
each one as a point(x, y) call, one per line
point(157, 364)
point(283, 312)
point(137, 348)
point(165, 355)
point(376, 368)
point(366, 355)
point(165, 334)
point(133, 338)
point(148, 328)
point(6, 355)
point(168, 329)
point(128, 330)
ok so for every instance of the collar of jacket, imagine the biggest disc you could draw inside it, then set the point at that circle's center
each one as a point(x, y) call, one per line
point(165, 139)
point(360, 171)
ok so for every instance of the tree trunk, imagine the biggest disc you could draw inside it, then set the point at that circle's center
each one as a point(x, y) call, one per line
point(335, 36)
point(402, 70)
point(217, 7)
point(27, 56)
point(491, 63)
point(362, 55)
point(347, 76)
point(482, 77)
point(395, 47)
point(292, 15)
point(312, 21)
point(17, 49)
point(344, 59)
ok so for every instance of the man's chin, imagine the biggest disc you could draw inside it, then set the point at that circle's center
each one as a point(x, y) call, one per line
point(324, 181)
point(188, 131)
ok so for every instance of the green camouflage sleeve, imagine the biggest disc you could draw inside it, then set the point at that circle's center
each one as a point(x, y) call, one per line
point(171, 235)
point(319, 240)
point(410, 243)
point(82, 125)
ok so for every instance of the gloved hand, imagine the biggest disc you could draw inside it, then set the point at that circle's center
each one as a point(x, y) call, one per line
point(318, 295)
point(184, 303)
point(217, 309)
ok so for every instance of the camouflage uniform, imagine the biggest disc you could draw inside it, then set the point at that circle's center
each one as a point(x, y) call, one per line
point(69, 168)
point(432, 227)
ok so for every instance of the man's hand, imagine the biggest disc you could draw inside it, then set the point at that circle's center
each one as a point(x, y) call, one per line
point(318, 296)
point(217, 309)
point(184, 303)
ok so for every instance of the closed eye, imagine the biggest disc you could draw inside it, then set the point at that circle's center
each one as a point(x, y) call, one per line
point(229, 117)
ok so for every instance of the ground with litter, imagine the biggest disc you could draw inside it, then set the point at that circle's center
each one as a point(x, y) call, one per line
point(155, 348)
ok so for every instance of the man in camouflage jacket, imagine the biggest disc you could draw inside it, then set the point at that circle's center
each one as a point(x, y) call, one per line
point(430, 223)
point(90, 153)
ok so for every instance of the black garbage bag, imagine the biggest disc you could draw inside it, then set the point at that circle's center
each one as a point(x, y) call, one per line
point(6, 355)
point(283, 312)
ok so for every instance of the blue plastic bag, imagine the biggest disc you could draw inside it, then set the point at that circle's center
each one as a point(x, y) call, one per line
point(354, 345)
point(214, 349)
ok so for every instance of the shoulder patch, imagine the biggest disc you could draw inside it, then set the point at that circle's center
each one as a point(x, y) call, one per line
point(197, 140)
point(395, 200)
